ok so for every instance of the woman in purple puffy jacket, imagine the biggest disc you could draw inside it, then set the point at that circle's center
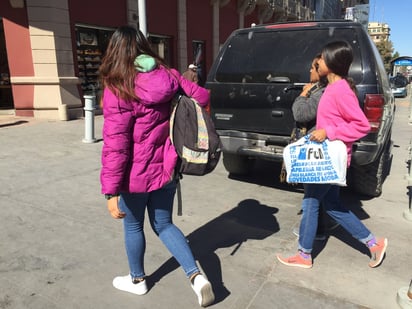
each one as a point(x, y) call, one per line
point(138, 159)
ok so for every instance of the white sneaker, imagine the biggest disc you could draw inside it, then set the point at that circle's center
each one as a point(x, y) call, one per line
point(125, 283)
point(203, 290)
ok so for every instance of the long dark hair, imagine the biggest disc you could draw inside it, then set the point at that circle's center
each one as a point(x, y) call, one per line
point(118, 71)
point(323, 81)
point(338, 57)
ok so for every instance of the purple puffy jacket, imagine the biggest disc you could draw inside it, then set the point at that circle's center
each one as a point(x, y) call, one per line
point(137, 154)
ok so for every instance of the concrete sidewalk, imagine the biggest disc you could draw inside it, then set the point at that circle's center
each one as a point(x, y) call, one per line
point(59, 248)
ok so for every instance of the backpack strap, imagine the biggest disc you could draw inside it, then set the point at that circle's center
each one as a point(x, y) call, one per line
point(179, 196)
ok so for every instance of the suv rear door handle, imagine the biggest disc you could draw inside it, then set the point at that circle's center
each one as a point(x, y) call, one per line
point(277, 113)
point(295, 86)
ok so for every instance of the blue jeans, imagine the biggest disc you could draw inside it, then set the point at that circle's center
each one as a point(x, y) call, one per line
point(329, 196)
point(159, 206)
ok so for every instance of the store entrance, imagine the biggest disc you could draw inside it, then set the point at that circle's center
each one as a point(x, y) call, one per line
point(6, 96)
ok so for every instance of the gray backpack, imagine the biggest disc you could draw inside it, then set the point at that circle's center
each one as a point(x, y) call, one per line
point(194, 137)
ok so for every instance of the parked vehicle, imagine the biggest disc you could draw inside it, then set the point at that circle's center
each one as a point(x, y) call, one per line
point(261, 70)
point(399, 92)
point(399, 84)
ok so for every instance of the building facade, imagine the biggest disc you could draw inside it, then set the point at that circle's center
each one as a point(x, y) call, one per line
point(352, 3)
point(327, 9)
point(50, 50)
point(379, 31)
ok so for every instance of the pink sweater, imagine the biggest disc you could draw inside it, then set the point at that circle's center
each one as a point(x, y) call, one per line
point(340, 115)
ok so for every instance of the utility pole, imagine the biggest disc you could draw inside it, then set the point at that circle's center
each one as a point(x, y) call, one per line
point(142, 16)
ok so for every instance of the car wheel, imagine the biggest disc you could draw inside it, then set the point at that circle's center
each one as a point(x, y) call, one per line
point(368, 179)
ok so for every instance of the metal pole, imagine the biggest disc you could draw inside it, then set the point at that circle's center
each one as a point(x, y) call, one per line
point(404, 297)
point(407, 214)
point(142, 16)
point(89, 108)
point(410, 104)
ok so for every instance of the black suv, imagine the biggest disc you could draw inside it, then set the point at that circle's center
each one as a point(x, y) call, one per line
point(261, 70)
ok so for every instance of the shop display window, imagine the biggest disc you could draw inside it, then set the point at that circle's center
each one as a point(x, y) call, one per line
point(91, 45)
point(6, 97)
point(162, 46)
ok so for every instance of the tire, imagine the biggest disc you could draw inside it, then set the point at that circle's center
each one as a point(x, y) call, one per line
point(236, 164)
point(368, 179)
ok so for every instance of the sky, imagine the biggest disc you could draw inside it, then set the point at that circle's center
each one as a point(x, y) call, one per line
point(397, 14)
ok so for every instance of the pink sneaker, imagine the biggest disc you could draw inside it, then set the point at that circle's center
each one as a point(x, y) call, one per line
point(297, 260)
point(378, 252)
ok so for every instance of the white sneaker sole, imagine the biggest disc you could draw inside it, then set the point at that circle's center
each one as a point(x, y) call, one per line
point(207, 296)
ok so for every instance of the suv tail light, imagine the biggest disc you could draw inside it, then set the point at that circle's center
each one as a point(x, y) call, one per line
point(373, 109)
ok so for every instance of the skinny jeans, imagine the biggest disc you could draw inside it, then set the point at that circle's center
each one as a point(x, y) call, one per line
point(159, 206)
point(328, 195)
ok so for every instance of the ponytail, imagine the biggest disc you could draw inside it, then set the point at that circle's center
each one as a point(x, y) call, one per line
point(351, 83)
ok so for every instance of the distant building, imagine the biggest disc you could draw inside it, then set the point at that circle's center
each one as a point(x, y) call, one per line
point(379, 31)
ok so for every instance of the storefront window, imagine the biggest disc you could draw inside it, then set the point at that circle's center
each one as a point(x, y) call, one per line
point(6, 97)
point(91, 45)
point(162, 46)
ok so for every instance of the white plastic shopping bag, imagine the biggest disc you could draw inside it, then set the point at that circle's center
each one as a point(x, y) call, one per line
point(312, 162)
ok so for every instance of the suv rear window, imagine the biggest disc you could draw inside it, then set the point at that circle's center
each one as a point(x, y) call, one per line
point(259, 56)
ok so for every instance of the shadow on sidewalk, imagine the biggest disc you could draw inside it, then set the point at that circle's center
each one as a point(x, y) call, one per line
point(353, 202)
point(15, 123)
point(248, 220)
point(266, 173)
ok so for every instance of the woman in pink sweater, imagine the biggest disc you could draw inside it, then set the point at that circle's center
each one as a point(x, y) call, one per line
point(339, 117)
point(138, 159)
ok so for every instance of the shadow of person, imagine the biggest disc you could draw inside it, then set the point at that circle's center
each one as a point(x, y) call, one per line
point(248, 220)
point(344, 236)
point(352, 202)
point(266, 173)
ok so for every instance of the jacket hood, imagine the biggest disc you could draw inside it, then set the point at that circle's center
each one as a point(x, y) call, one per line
point(157, 86)
point(145, 63)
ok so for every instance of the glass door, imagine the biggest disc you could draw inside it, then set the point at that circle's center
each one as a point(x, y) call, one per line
point(6, 96)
